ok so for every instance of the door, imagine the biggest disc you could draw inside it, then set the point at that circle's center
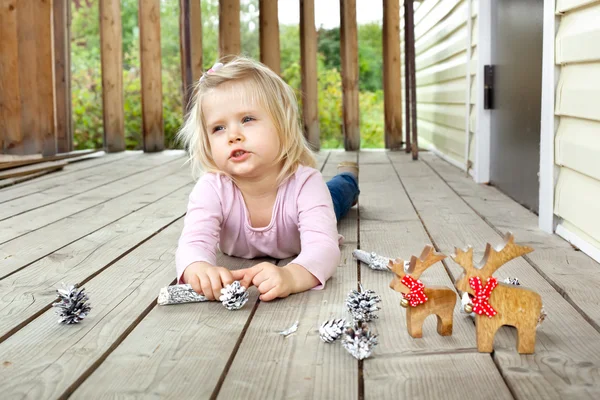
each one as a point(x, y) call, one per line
point(517, 27)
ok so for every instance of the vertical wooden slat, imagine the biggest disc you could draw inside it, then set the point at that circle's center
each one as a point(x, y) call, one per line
point(407, 90)
point(185, 51)
point(196, 38)
point(112, 75)
point(62, 76)
point(392, 79)
point(410, 29)
point(308, 62)
point(229, 27)
point(269, 35)
point(36, 81)
point(10, 98)
point(349, 50)
point(152, 113)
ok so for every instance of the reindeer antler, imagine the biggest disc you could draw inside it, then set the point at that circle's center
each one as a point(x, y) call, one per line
point(428, 257)
point(495, 258)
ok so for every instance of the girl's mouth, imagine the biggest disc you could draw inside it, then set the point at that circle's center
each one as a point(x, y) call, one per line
point(239, 155)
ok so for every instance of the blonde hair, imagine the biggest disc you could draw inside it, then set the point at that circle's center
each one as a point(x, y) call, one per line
point(272, 93)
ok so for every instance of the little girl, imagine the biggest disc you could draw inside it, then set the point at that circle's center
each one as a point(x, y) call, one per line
point(260, 194)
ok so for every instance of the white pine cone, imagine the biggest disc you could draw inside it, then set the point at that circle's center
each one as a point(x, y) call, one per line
point(363, 304)
point(73, 304)
point(234, 296)
point(359, 341)
point(330, 330)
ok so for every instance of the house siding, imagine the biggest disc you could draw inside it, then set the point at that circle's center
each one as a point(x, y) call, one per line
point(577, 142)
point(441, 41)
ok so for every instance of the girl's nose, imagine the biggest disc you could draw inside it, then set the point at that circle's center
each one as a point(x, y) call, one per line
point(235, 135)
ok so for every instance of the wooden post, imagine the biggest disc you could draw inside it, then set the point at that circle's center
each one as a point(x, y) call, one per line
point(196, 38)
point(392, 79)
point(190, 46)
point(349, 55)
point(229, 27)
point(111, 53)
point(269, 35)
point(409, 40)
point(308, 63)
point(62, 75)
point(407, 80)
point(152, 113)
point(11, 137)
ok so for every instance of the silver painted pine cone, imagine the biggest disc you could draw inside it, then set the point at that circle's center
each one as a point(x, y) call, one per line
point(330, 330)
point(73, 304)
point(359, 341)
point(362, 304)
point(234, 296)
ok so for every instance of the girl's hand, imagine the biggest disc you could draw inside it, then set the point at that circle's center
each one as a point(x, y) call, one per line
point(271, 281)
point(207, 279)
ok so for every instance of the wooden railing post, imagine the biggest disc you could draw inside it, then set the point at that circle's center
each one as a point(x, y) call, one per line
point(62, 75)
point(26, 77)
point(190, 47)
point(392, 79)
point(349, 50)
point(152, 112)
point(112, 75)
point(229, 27)
point(308, 62)
point(269, 35)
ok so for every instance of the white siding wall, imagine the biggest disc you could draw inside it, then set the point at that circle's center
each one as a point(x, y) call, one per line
point(577, 143)
point(441, 41)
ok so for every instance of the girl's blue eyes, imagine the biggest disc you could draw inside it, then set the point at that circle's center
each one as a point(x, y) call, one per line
point(244, 120)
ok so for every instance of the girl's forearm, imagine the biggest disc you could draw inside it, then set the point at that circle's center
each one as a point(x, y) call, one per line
point(301, 279)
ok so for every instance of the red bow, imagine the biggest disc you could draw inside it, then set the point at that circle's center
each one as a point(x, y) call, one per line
point(416, 295)
point(482, 295)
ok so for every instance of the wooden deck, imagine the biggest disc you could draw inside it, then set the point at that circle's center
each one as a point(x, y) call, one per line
point(112, 224)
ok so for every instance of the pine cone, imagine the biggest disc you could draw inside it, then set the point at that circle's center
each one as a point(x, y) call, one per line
point(234, 296)
point(330, 330)
point(72, 306)
point(362, 305)
point(372, 260)
point(359, 341)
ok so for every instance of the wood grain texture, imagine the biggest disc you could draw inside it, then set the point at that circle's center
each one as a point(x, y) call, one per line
point(111, 55)
point(436, 376)
point(552, 257)
point(269, 35)
point(54, 356)
point(565, 336)
point(349, 66)
point(392, 80)
point(10, 96)
point(31, 169)
point(308, 65)
point(176, 350)
point(39, 217)
point(29, 291)
point(229, 28)
point(26, 249)
point(37, 158)
point(196, 39)
point(268, 365)
point(61, 12)
point(151, 69)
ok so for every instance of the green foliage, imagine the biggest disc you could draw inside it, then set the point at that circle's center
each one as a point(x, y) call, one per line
point(87, 86)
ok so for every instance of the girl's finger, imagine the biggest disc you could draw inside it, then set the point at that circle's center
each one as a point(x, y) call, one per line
point(215, 283)
point(195, 283)
point(270, 295)
point(206, 287)
point(226, 277)
point(265, 286)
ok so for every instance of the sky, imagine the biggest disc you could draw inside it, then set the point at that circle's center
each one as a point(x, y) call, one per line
point(327, 12)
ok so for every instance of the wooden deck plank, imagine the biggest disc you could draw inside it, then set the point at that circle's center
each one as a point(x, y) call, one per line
point(434, 376)
point(567, 358)
point(175, 351)
point(35, 245)
point(69, 174)
point(47, 360)
point(31, 290)
point(99, 182)
point(552, 256)
point(39, 217)
point(268, 365)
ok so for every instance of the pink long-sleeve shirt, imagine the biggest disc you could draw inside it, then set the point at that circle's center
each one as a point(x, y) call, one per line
point(303, 224)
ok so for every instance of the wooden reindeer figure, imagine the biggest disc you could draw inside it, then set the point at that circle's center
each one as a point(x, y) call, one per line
point(421, 301)
point(495, 303)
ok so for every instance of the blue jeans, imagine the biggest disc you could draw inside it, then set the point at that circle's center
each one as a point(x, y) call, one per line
point(344, 193)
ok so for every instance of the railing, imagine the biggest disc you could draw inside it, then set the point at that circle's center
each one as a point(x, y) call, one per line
point(35, 96)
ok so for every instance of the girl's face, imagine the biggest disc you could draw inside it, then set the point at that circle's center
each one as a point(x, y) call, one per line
point(243, 139)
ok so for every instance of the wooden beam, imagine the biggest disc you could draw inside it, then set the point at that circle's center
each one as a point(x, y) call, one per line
point(409, 38)
point(152, 112)
point(112, 75)
point(392, 79)
point(308, 63)
point(62, 75)
point(190, 47)
point(11, 136)
point(196, 38)
point(229, 28)
point(349, 50)
point(269, 35)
